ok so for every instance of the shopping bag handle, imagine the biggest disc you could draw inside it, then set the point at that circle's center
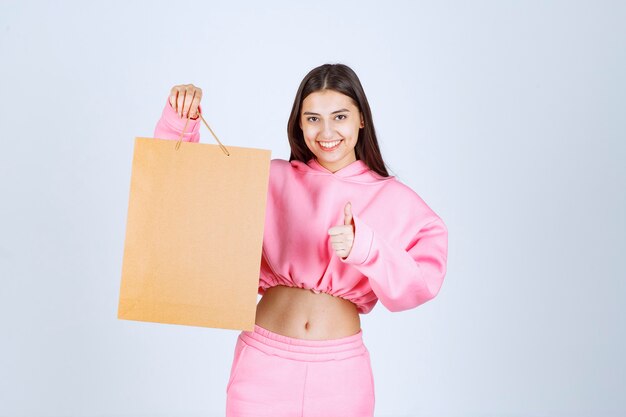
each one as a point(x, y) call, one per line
point(180, 138)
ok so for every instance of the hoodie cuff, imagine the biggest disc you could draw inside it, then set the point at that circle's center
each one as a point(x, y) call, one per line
point(177, 123)
point(362, 244)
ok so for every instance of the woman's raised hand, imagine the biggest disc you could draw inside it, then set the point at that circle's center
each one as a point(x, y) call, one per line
point(342, 236)
point(185, 99)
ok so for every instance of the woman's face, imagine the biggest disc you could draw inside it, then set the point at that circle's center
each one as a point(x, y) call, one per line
point(330, 122)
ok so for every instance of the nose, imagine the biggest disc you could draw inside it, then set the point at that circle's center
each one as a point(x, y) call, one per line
point(327, 133)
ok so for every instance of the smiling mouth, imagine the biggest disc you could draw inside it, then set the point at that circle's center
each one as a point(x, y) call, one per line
point(330, 145)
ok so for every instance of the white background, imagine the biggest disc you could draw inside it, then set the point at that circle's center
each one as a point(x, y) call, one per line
point(507, 118)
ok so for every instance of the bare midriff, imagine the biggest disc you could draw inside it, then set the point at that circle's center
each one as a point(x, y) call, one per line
point(304, 314)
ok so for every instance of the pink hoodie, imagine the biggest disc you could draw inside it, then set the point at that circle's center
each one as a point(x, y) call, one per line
point(400, 247)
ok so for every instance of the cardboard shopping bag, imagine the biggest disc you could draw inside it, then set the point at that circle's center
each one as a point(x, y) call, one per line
point(194, 234)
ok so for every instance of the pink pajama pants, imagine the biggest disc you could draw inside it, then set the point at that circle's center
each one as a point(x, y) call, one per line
point(279, 376)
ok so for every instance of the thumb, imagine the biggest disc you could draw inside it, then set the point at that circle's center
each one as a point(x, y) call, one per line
point(347, 211)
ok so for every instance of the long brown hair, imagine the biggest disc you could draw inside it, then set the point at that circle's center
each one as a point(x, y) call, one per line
point(343, 79)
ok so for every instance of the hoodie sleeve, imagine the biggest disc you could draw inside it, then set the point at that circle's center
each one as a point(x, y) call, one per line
point(170, 125)
point(401, 278)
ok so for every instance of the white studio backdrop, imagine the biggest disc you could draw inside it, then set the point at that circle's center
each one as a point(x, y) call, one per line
point(507, 118)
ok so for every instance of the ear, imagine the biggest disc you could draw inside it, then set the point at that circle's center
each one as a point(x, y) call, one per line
point(362, 121)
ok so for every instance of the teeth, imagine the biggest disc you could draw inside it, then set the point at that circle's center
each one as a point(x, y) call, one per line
point(329, 144)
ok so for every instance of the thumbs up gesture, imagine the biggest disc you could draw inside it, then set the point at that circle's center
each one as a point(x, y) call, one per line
point(342, 237)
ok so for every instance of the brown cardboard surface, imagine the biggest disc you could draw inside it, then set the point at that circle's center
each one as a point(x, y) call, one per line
point(194, 234)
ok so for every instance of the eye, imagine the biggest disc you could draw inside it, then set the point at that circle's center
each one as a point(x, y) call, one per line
point(341, 117)
point(311, 119)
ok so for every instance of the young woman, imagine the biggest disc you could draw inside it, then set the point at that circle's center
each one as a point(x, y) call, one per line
point(340, 234)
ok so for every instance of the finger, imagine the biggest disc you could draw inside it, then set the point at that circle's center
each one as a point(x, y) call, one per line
point(347, 211)
point(339, 246)
point(180, 101)
point(193, 110)
point(342, 238)
point(189, 96)
point(335, 230)
point(173, 98)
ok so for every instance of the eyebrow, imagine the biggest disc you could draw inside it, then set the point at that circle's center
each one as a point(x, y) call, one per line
point(335, 112)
